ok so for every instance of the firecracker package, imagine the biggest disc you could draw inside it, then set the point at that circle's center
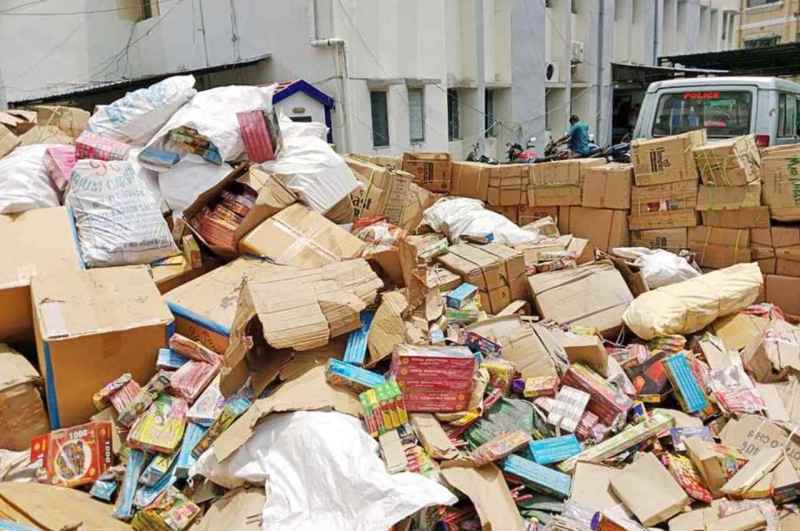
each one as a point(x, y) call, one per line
point(160, 429)
point(73, 456)
point(540, 386)
point(144, 399)
point(477, 343)
point(193, 377)
point(679, 436)
point(260, 133)
point(554, 449)
point(93, 146)
point(156, 468)
point(194, 432)
point(169, 359)
point(604, 401)
point(118, 393)
point(188, 139)
point(434, 379)
point(59, 161)
point(208, 406)
point(687, 477)
point(123, 509)
point(501, 373)
point(192, 349)
point(234, 407)
point(191, 251)
point(499, 447)
point(688, 392)
point(383, 408)
point(650, 379)
point(461, 296)
point(171, 511)
point(538, 477)
point(567, 408)
point(346, 375)
point(159, 158)
point(734, 391)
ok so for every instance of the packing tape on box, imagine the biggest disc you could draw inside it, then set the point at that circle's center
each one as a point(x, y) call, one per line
point(54, 323)
point(301, 241)
point(718, 167)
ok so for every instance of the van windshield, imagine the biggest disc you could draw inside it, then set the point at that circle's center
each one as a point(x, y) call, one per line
point(723, 113)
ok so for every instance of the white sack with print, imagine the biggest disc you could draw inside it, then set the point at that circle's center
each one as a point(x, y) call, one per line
point(460, 217)
point(24, 181)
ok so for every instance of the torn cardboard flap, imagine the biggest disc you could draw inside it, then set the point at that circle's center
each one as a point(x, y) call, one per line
point(433, 437)
point(237, 510)
point(309, 392)
point(388, 327)
point(487, 489)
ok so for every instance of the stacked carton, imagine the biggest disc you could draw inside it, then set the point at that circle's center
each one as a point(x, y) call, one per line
point(730, 201)
point(503, 187)
point(664, 195)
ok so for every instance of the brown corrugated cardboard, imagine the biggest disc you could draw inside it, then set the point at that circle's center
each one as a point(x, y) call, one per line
point(45, 134)
point(667, 159)
point(664, 220)
point(746, 520)
point(36, 242)
point(508, 185)
point(739, 330)
point(110, 319)
point(175, 271)
point(488, 491)
point(730, 162)
point(670, 239)
point(765, 257)
point(309, 392)
point(608, 186)
point(751, 434)
point(591, 486)
point(238, 510)
point(71, 120)
point(604, 228)
point(470, 179)
point(753, 471)
point(388, 328)
point(744, 218)
point(782, 291)
point(498, 272)
point(430, 170)
point(529, 346)
point(529, 214)
point(272, 198)
point(665, 497)
point(298, 236)
point(664, 205)
point(592, 295)
point(729, 197)
point(787, 261)
point(588, 350)
point(779, 176)
point(298, 309)
point(547, 250)
point(22, 415)
point(8, 141)
point(433, 437)
point(717, 248)
point(558, 183)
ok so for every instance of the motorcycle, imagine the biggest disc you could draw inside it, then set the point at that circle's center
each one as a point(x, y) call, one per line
point(473, 156)
point(516, 154)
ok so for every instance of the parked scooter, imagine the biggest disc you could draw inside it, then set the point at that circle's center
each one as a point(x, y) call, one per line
point(473, 155)
point(518, 155)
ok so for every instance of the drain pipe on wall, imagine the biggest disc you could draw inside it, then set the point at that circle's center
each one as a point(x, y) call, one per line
point(339, 47)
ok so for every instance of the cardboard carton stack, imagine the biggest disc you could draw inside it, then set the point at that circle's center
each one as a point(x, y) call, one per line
point(780, 175)
point(664, 195)
point(502, 187)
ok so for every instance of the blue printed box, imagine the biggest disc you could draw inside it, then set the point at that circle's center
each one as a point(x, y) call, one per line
point(554, 449)
point(538, 477)
point(458, 297)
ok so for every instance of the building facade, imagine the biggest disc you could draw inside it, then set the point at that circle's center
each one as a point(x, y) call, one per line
point(769, 23)
point(427, 75)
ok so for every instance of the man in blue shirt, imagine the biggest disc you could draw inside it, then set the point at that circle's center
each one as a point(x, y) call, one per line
point(578, 136)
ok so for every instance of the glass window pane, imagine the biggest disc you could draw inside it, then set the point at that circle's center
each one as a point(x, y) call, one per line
point(416, 115)
point(453, 119)
point(723, 114)
point(490, 129)
point(380, 119)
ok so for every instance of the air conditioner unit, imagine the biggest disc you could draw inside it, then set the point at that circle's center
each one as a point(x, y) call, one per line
point(551, 72)
point(577, 52)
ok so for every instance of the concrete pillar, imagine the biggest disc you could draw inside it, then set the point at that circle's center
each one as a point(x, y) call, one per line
point(528, 71)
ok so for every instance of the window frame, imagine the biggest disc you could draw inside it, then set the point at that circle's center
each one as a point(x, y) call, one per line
point(453, 115)
point(787, 115)
point(662, 96)
point(489, 113)
point(420, 139)
point(385, 104)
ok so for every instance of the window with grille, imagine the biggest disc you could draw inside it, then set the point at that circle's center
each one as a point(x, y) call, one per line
point(380, 118)
point(416, 115)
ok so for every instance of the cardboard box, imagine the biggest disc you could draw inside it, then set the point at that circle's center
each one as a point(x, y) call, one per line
point(8, 141)
point(37, 242)
point(669, 239)
point(529, 214)
point(666, 205)
point(730, 162)
point(588, 350)
point(175, 271)
point(430, 170)
point(297, 309)
point(71, 120)
point(782, 291)
point(743, 218)
point(508, 185)
point(717, 248)
point(608, 186)
point(604, 228)
point(272, 197)
point(300, 237)
point(780, 172)
point(552, 249)
point(111, 319)
point(667, 159)
point(22, 415)
point(591, 295)
point(470, 179)
point(434, 379)
point(529, 346)
point(787, 261)
point(664, 496)
point(558, 183)
point(591, 486)
point(729, 197)
point(765, 257)
point(497, 270)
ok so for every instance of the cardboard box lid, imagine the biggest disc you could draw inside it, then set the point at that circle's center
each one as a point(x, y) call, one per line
point(97, 301)
point(15, 369)
point(309, 392)
point(300, 237)
point(487, 489)
point(649, 490)
point(42, 241)
point(739, 330)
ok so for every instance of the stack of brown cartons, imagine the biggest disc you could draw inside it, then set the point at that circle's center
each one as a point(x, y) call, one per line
point(430, 170)
point(780, 176)
point(664, 195)
point(730, 202)
point(602, 217)
point(503, 187)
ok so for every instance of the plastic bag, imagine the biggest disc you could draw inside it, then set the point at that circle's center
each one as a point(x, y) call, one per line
point(117, 216)
point(303, 457)
point(318, 175)
point(212, 113)
point(693, 304)
point(192, 176)
point(461, 217)
point(140, 114)
point(659, 267)
point(24, 181)
point(290, 128)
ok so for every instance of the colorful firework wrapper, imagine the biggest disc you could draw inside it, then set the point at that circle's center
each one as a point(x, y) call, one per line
point(171, 511)
point(118, 393)
point(144, 399)
point(191, 349)
point(499, 447)
point(193, 377)
point(689, 479)
point(161, 428)
point(74, 456)
point(540, 386)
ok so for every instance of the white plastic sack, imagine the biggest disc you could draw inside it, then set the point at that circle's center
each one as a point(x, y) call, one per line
point(150, 177)
point(213, 114)
point(291, 129)
point(458, 217)
point(317, 174)
point(140, 114)
point(193, 175)
point(659, 267)
point(24, 182)
point(693, 304)
point(321, 470)
point(117, 215)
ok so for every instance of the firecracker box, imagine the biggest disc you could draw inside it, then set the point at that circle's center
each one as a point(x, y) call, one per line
point(260, 133)
point(538, 477)
point(74, 456)
point(93, 146)
point(348, 375)
point(434, 379)
point(554, 449)
point(604, 401)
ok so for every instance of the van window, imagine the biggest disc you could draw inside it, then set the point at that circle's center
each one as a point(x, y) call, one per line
point(723, 113)
point(787, 116)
